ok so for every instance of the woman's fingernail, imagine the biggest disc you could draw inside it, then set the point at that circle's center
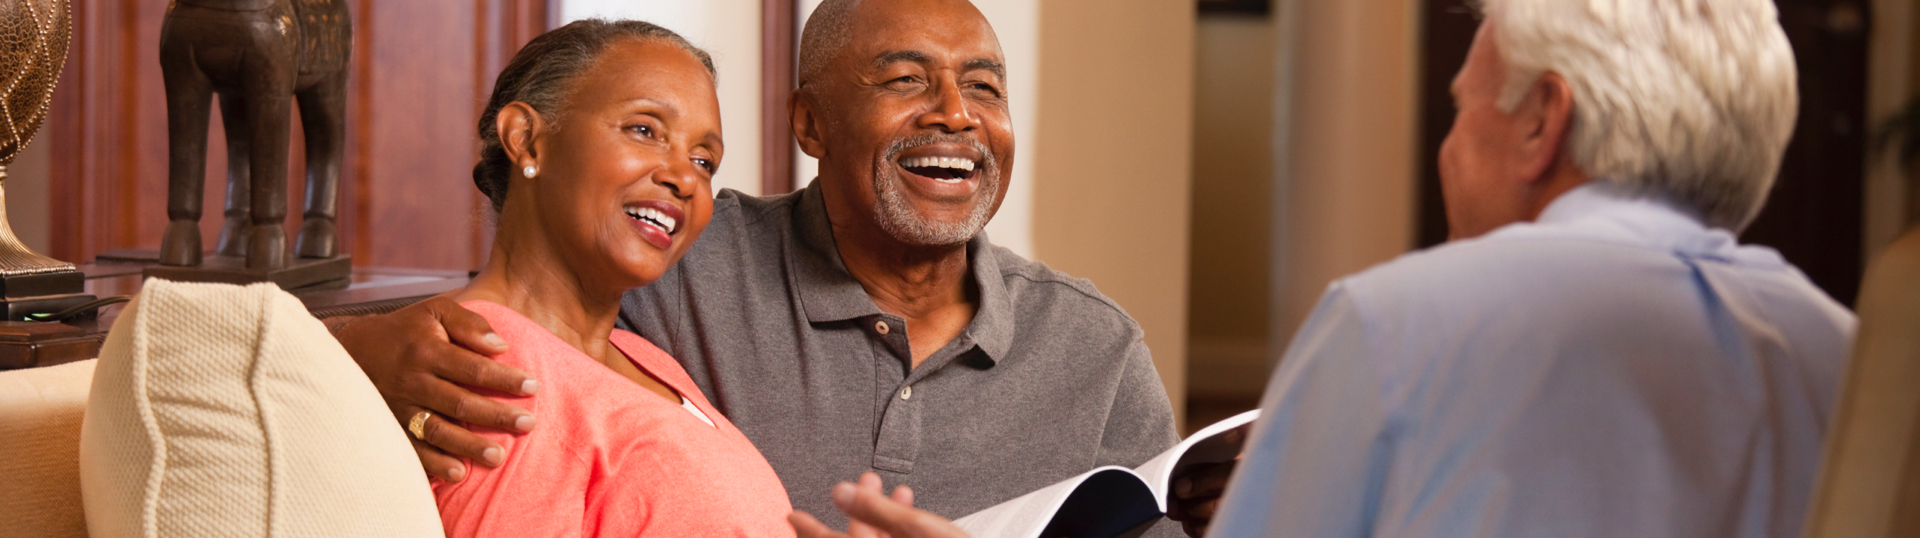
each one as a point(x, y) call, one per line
point(492, 455)
point(524, 423)
point(529, 387)
point(494, 340)
point(843, 495)
point(456, 473)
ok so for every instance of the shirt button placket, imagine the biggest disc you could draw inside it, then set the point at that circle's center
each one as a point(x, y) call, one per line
point(898, 441)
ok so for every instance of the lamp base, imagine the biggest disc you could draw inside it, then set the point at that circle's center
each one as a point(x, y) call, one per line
point(42, 293)
point(298, 272)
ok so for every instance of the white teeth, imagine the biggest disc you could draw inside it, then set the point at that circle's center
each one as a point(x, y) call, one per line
point(956, 163)
point(654, 217)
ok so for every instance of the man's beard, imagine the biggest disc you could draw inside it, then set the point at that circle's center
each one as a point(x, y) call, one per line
point(896, 213)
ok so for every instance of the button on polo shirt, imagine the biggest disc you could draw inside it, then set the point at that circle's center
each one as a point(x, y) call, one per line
point(1050, 379)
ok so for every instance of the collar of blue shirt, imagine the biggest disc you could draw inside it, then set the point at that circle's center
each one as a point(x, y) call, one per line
point(1599, 211)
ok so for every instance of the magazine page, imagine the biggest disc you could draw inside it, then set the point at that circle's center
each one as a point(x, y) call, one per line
point(1102, 493)
point(1110, 500)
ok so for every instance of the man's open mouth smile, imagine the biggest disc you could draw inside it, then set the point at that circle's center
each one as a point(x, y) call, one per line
point(942, 169)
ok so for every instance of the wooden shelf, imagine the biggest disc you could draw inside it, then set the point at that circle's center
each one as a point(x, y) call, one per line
point(371, 290)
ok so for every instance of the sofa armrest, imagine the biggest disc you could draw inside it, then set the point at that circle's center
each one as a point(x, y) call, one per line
point(40, 416)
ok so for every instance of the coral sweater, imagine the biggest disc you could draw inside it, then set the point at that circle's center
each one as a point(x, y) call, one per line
point(610, 458)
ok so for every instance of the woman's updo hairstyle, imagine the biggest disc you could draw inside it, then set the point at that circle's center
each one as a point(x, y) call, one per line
point(541, 74)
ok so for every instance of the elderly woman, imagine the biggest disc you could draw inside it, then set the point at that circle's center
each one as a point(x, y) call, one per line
point(598, 147)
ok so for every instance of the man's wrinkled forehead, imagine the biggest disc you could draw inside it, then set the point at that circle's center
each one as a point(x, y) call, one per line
point(889, 31)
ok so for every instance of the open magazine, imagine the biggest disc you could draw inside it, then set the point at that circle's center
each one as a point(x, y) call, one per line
point(1111, 500)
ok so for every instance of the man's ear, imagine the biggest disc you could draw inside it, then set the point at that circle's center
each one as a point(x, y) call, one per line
point(1546, 114)
point(517, 126)
point(802, 112)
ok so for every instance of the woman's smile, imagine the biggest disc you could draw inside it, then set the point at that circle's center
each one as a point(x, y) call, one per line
point(656, 221)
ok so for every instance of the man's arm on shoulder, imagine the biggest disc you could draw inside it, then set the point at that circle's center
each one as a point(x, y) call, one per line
point(1325, 481)
point(424, 358)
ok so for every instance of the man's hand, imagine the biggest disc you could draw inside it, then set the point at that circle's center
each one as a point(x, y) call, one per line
point(1197, 489)
point(423, 358)
point(875, 515)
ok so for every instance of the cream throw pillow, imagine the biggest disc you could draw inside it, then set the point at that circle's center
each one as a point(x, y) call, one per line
point(222, 410)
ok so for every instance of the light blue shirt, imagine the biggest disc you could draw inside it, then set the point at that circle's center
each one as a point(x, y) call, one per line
point(1613, 369)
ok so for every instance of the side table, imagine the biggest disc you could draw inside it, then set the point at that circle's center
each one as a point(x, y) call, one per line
point(371, 290)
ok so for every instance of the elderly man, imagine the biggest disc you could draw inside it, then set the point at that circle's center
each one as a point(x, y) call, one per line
point(863, 323)
point(1594, 354)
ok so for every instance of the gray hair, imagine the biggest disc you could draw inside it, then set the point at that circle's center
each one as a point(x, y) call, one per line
point(1689, 100)
point(541, 75)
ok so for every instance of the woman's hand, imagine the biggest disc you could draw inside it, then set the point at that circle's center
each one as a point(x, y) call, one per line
point(875, 515)
point(423, 358)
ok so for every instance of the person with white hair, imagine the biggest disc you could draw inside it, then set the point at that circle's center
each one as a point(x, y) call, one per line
point(1593, 354)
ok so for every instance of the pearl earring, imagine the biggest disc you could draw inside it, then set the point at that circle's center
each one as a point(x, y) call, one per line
point(529, 171)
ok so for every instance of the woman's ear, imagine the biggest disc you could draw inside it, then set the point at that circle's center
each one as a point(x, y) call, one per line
point(806, 128)
point(518, 126)
point(1547, 116)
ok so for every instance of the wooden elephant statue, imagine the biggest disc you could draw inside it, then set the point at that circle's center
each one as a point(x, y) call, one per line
point(258, 55)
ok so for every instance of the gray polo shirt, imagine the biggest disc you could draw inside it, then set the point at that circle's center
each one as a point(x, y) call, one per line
point(1051, 378)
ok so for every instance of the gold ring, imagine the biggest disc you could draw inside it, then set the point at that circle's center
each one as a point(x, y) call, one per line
point(417, 425)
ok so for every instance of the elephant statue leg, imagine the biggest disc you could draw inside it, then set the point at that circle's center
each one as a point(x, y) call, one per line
point(189, 101)
point(233, 234)
point(269, 104)
point(323, 109)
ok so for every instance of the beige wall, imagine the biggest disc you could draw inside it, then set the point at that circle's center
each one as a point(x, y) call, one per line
point(1111, 185)
point(1281, 212)
point(1347, 153)
point(1227, 327)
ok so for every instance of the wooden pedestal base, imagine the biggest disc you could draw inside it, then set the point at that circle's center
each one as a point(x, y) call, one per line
point(299, 272)
point(34, 344)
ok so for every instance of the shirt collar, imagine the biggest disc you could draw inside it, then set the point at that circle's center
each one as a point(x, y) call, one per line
point(829, 293)
point(1601, 210)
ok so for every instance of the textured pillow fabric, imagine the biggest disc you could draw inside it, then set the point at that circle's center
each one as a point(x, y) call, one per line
point(40, 410)
point(221, 410)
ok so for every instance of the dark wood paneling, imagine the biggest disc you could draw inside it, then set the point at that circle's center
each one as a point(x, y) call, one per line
point(1814, 215)
point(421, 72)
point(1444, 40)
point(777, 43)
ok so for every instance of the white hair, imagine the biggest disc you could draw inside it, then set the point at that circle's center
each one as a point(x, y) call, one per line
point(1689, 100)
